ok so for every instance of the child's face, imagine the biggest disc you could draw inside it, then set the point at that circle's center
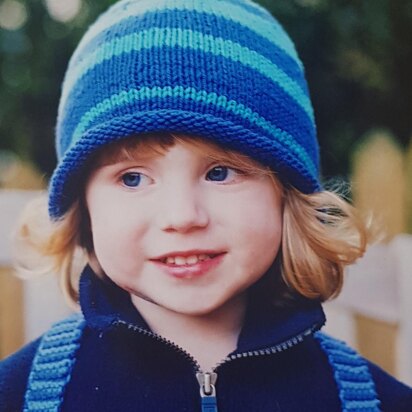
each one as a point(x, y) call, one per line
point(147, 211)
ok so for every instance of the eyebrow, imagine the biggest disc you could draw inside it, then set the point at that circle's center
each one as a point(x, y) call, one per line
point(122, 157)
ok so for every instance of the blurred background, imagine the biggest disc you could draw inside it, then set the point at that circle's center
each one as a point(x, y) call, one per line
point(358, 59)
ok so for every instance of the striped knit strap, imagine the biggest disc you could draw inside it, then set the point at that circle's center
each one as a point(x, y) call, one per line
point(355, 384)
point(52, 365)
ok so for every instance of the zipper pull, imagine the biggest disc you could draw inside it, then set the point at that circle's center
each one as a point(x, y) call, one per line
point(207, 383)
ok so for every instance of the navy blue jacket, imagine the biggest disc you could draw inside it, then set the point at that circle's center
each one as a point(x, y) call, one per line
point(122, 366)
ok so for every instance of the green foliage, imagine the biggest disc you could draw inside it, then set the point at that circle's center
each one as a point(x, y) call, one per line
point(357, 56)
point(33, 60)
point(358, 60)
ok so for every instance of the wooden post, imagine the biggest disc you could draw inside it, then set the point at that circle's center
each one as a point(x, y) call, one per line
point(11, 313)
point(408, 159)
point(379, 181)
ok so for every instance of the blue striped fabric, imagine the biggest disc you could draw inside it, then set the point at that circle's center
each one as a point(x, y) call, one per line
point(357, 391)
point(294, 122)
point(52, 366)
point(220, 61)
point(189, 39)
point(183, 20)
point(126, 98)
point(240, 12)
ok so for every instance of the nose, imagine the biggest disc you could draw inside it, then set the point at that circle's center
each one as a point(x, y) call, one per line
point(183, 210)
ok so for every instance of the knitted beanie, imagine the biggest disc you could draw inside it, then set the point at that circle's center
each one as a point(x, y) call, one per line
point(224, 70)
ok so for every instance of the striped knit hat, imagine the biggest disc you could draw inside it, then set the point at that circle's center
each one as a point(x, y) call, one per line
point(224, 70)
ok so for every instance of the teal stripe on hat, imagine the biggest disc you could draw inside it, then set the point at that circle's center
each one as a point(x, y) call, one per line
point(188, 39)
point(220, 102)
point(270, 30)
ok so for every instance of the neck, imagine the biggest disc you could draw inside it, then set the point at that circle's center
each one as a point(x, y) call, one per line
point(221, 327)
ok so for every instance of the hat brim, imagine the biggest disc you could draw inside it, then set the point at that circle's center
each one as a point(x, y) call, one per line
point(64, 184)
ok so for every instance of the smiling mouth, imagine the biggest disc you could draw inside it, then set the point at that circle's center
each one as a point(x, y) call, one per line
point(187, 261)
point(190, 266)
point(189, 258)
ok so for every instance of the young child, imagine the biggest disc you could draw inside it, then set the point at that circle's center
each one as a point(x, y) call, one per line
point(188, 183)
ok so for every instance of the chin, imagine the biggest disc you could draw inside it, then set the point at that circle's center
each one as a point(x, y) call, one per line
point(194, 309)
point(190, 307)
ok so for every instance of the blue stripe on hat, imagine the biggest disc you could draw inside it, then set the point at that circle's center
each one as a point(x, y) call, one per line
point(265, 97)
point(187, 39)
point(215, 26)
point(269, 29)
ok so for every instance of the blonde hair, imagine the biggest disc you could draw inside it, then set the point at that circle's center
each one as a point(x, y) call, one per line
point(322, 232)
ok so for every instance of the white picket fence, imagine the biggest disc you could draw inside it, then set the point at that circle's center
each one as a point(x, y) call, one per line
point(378, 286)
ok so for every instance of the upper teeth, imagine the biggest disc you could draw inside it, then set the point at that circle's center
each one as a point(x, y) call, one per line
point(189, 260)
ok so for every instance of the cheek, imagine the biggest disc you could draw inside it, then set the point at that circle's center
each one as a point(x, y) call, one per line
point(106, 244)
point(113, 231)
point(258, 214)
point(258, 227)
point(111, 213)
point(117, 249)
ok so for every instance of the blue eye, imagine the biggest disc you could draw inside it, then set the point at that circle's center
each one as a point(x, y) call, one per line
point(218, 174)
point(131, 179)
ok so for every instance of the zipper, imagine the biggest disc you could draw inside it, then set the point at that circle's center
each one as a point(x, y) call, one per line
point(207, 383)
point(160, 338)
point(290, 343)
point(207, 380)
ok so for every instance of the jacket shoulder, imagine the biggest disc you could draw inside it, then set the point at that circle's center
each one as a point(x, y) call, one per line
point(14, 372)
point(394, 395)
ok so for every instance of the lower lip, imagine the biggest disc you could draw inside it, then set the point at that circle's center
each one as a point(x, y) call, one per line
point(191, 271)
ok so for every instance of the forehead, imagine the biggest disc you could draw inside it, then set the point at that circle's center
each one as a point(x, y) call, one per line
point(132, 147)
point(150, 146)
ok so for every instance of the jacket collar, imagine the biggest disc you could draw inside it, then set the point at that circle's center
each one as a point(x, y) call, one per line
point(104, 304)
